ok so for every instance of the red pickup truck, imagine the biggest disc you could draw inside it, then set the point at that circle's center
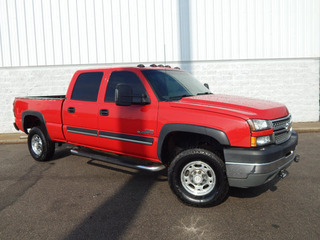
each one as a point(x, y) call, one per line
point(159, 117)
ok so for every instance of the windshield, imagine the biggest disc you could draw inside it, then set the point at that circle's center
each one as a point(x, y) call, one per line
point(174, 85)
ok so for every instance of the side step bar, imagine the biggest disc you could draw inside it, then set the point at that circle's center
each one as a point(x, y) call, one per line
point(113, 160)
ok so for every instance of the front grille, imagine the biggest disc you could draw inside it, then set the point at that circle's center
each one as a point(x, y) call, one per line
point(282, 129)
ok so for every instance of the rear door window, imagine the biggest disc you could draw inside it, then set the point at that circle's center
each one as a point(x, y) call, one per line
point(87, 86)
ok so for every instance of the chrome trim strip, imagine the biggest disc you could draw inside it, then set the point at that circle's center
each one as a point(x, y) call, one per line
point(82, 131)
point(125, 139)
point(111, 135)
point(281, 119)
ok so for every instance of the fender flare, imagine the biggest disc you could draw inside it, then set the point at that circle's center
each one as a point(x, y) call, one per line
point(216, 134)
point(38, 115)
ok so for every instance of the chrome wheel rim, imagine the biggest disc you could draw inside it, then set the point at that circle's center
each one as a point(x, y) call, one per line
point(198, 178)
point(36, 145)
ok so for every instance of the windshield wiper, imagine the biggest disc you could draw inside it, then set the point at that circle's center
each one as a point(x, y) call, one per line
point(204, 93)
point(181, 96)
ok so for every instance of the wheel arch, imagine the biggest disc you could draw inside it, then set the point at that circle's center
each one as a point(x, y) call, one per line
point(32, 119)
point(215, 136)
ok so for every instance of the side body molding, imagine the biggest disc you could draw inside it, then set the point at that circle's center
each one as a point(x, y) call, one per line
point(218, 135)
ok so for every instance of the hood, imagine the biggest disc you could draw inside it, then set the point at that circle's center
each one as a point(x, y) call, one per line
point(246, 108)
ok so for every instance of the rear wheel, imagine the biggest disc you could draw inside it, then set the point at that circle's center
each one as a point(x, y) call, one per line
point(40, 147)
point(198, 178)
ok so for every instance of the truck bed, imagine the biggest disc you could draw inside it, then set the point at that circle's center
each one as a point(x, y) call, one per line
point(48, 108)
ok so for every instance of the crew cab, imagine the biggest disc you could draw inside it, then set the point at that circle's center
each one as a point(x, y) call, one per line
point(163, 118)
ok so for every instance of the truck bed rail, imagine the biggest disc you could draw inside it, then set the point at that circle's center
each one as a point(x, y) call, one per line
point(53, 97)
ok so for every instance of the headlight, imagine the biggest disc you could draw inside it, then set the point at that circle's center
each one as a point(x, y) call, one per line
point(259, 124)
point(261, 132)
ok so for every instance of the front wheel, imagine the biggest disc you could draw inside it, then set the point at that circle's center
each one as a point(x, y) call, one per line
point(198, 178)
point(40, 147)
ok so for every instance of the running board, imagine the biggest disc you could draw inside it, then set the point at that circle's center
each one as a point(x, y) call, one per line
point(113, 160)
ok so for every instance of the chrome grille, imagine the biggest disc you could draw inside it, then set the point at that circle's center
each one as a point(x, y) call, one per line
point(282, 129)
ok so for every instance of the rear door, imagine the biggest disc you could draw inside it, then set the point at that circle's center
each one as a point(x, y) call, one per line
point(80, 110)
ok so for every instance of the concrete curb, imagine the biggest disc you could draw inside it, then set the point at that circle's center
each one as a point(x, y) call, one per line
point(9, 138)
point(20, 137)
point(307, 127)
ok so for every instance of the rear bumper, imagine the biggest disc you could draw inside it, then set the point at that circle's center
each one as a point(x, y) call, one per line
point(249, 167)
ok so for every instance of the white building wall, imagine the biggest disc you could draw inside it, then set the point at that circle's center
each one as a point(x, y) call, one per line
point(267, 49)
point(59, 32)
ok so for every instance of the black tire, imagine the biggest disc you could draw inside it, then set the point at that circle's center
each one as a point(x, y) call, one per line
point(40, 146)
point(198, 178)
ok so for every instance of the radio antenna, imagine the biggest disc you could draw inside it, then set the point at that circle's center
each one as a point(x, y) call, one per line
point(164, 49)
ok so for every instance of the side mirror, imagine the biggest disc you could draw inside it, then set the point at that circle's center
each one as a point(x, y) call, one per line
point(206, 85)
point(123, 95)
point(145, 99)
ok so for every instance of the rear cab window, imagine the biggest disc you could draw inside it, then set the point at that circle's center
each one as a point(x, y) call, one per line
point(86, 87)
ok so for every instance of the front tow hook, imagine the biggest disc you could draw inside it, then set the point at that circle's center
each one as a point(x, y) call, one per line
point(283, 174)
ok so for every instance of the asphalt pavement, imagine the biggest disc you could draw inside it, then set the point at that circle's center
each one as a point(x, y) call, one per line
point(73, 197)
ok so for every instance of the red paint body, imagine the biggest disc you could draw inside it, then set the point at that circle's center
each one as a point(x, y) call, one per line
point(221, 112)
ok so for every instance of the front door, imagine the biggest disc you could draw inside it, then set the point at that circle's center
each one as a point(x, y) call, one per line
point(128, 129)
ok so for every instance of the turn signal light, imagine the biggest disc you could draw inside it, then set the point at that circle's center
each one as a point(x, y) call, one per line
point(253, 141)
